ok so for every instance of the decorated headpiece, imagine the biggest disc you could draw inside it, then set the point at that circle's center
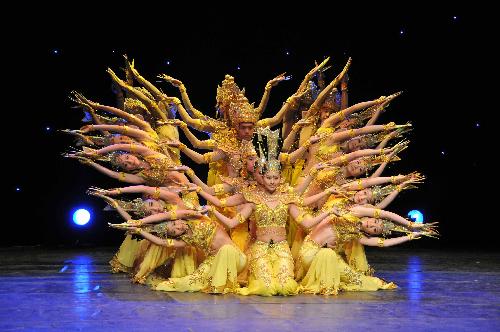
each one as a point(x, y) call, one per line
point(134, 106)
point(268, 145)
point(240, 110)
point(136, 206)
point(227, 92)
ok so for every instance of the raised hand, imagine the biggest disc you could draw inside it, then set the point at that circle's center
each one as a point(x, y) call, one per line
point(171, 80)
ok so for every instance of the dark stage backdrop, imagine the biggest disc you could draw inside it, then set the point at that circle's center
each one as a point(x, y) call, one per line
point(434, 59)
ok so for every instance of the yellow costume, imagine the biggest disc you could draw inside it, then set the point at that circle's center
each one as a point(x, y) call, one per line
point(218, 272)
point(323, 271)
point(270, 264)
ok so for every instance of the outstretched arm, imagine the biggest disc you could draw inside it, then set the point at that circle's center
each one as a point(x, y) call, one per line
point(303, 218)
point(363, 211)
point(150, 104)
point(184, 95)
point(197, 124)
point(335, 118)
point(381, 242)
point(315, 107)
point(361, 184)
point(155, 192)
point(124, 177)
point(267, 92)
point(139, 134)
point(113, 203)
point(236, 199)
point(240, 218)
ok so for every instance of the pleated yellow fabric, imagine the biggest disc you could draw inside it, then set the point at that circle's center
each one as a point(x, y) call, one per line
point(271, 270)
point(327, 273)
point(123, 260)
point(216, 274)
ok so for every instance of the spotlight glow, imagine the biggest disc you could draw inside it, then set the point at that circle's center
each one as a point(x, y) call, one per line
point(81, 217)
point(416, 216)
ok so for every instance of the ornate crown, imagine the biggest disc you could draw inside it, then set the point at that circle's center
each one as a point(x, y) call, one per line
point(268, 145)
point(240, 110)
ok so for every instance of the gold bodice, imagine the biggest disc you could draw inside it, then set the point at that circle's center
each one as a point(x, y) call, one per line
point(268, 217)
point(202, 233)
point(155, 176)
point(347, 229)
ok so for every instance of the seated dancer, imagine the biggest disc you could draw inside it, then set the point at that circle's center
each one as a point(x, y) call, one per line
point(321, 268)
point(142, 258)
point(270, 260)
point(223, 259)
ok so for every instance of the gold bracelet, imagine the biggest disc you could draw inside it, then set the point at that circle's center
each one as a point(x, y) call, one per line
point(285, 158)
point(300, 218)
point(399, 188)
point(182, 88)
point(173, 215)
point(410, 236)
point(314, 172)
point(268, 87)
point(126, 130)
point(121, 177)
point(240, 218)
point(156, 194)
point(380, 242)
point(198, 189)
point(343, 159)
point(119, 191)
point(170, 242)
point(219, 189)
point(130, 221)
point(393, 179)
point(223, 202)
point(389, 126)
point(342, 115)
point(182, 146)
point(376, 213)
point(307, 144)
point(360, 187)
point(208, 157)
point(190, 173)
point(132, 147)
point(351, 133)
point(411, 224)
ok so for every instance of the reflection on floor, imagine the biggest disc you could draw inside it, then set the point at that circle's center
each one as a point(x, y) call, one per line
point(70, 290)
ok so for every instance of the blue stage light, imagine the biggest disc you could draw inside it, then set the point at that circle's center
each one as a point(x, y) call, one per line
point(416, 216)
point(81, 217)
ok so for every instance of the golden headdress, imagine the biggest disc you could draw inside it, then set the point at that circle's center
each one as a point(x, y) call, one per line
point(240, 110)
point(134, 106)
point(268, 145)
point(227, 92)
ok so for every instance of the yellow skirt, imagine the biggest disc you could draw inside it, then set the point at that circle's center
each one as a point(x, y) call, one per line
point(271, 270)
point(123, 260)
point(325, 272)
point(216, 274)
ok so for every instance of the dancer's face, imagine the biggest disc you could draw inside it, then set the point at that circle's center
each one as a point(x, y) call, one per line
point(251, 163)
point(363, 196)
point(176, 228)
point(356, 144)
point(356, 168)
point(372, 226)
point(153, 206)
point(324, 113)
point(271, 180)
point(346, 124)
point(128, 161)
point(245, 131)
point(121, 139)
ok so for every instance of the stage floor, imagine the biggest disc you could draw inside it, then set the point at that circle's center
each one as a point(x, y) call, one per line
point(72, 290)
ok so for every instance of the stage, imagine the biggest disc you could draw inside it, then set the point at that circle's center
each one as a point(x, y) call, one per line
point(72, 290)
